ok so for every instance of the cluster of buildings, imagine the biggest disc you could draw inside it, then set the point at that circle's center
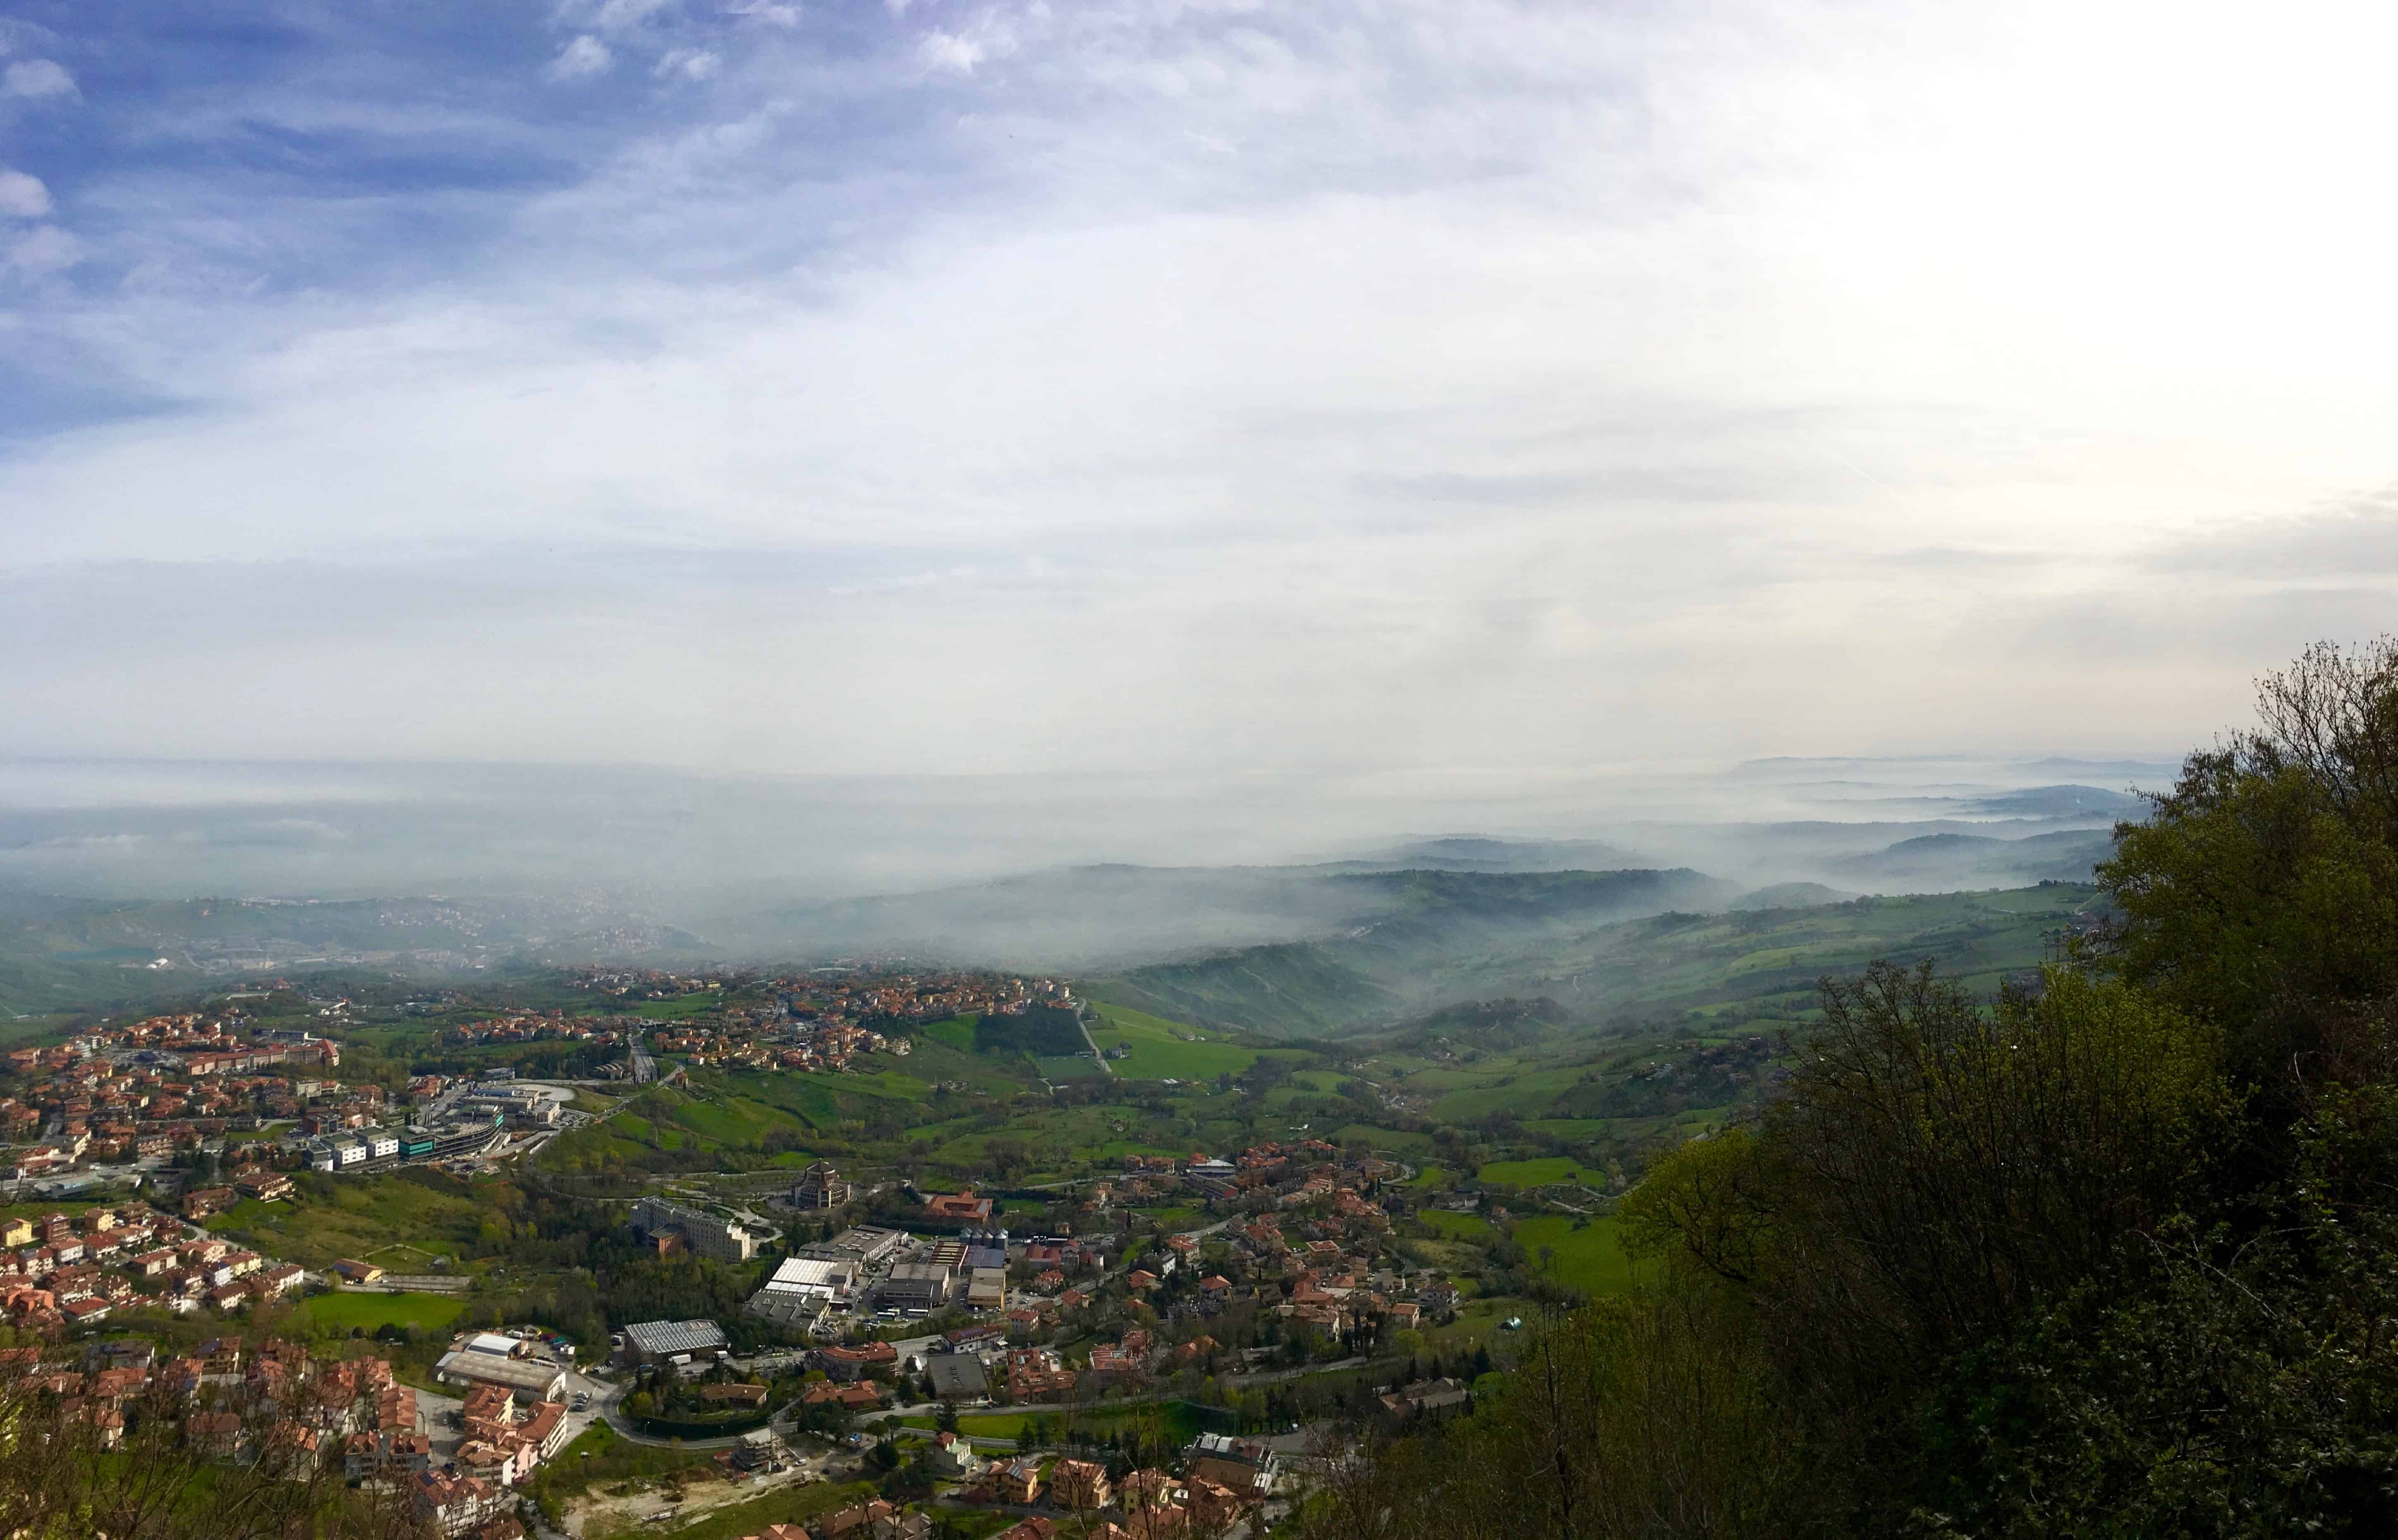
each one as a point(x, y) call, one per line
point(157, 1088)
point(96, 1099)
point(819, 1046)
point(1330, 1271)
point(1222, 1481)
point(1292, 1175)
point(238, 1402)
point(526, 1027)
point(820, 1021)
point(57, 1272)
point(890, 1269)
point(380, 1147)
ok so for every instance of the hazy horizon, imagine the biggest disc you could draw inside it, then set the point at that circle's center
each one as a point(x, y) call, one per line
point(1205, 392)
point(724, 842)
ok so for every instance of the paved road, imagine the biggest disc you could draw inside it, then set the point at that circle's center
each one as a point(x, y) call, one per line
point(1105, 1068)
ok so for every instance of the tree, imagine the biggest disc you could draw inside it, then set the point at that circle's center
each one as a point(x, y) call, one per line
point(2262, 891)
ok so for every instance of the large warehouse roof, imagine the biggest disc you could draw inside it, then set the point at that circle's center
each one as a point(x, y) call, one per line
point(542, 1380)
point(802, 1273)
point(676, 1336)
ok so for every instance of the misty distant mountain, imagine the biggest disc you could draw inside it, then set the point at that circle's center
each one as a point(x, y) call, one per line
point(1407, 960)
point(1108, 917)
point(1074, 918)
point(63, 952)
point(1790, 896)
point(1942, 861)
point(1473, 854)
point(2060, 802)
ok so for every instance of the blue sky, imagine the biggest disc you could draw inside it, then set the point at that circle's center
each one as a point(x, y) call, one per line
point(1156, 384)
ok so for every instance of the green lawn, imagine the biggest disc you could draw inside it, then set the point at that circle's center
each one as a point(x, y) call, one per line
point(956, 1032)
point(1459, 1227)
point(1536, 1174)
point(426, 1312)
point(1588, 1258)
point(1374, 1138)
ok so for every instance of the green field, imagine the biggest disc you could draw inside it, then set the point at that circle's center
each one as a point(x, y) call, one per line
point(1537, 1088)
point(362, 1216)
point(1459, 1227)
point(1585, 1256)
point(956, 1032)
point(1536, 1174)
point(368, 1312)
point(1157, 1049)
point(1366, 1137)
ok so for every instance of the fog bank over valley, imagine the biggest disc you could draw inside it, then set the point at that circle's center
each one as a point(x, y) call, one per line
point(1048, 872)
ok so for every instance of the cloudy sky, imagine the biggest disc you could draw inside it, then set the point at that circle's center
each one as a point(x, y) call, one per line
point(866, 387)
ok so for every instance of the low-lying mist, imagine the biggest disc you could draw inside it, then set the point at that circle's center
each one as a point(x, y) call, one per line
point(1033, 871)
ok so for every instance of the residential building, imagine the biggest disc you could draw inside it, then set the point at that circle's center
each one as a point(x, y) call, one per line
point(962, 1206)
point(953, 1459)
point(1244, 1466)
point(705, 1234)
point(1081, 1485)
point(857, 1363)
point(453, 1504)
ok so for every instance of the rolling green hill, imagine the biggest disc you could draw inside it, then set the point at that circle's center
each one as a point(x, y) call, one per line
point(1412, 928)
point(1728, 968)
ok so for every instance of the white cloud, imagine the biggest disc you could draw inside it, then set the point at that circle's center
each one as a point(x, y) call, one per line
point(48, 249)
point(37, 79)
point(581, 58)
point(1160, 381)
point(23, 195)
point(991, 35)
point(950, 51)
point(688, 64)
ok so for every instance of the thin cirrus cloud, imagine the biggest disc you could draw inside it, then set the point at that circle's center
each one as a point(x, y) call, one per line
point(1136, 384)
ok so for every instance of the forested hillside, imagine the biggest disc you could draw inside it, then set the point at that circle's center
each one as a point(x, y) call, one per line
point(2113, 1254)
